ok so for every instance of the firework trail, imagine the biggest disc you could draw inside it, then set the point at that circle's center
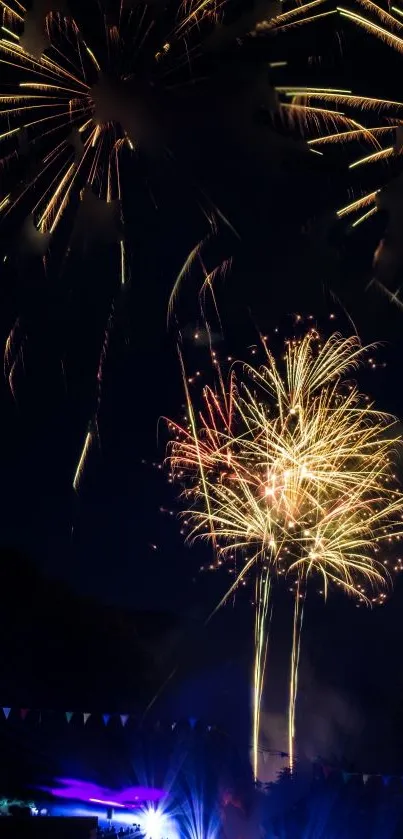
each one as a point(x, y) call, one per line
point(92, 433)
point(14, 355)
point(289, 468)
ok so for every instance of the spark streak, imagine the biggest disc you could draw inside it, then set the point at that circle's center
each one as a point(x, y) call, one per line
point(388, 37)
point(11, 11)
point(4, 202)
point(354, 134)
point(81, 462)
point(340, 97)
point(364, 217)
point(91, 54)
point(374, 157)
point(10, 32)
point(122, 263)
point(386, 18)
point(358, 203)
point(9, 133)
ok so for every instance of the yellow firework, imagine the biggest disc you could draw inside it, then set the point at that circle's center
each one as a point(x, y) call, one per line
point(290, 467)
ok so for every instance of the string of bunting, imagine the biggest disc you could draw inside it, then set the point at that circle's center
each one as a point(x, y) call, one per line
point(121, 719)
point(328, 771)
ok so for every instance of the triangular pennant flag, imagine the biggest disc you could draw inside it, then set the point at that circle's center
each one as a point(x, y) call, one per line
point(192, 722)
point(123, 719)
point(69, 715)
point(386, 779)
point(173, 725)
point(209, 727)
point(6, 712)
point(365, 778)
point(106, 718)
point(23, 713)
point(86, 717)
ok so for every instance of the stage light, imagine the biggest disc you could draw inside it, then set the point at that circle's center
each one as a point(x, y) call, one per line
point(156, 823)
point(152, 824)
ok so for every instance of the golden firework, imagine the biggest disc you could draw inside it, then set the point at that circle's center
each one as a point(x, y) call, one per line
point(289, 467)
point(369, 125)
point(61, 100)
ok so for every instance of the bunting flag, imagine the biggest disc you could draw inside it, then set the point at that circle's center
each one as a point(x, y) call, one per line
point(106, 718)
point(365, 778)
point(123, 719)
point(23, 713)
point(192, 722)
point(69, 715)
point(173, 725)
point(86, 717)
point(386, 779)
point(6, 712)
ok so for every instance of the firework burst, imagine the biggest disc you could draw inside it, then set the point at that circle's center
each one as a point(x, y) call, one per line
point(367, 128)
point(290, 468)
point(87, 106)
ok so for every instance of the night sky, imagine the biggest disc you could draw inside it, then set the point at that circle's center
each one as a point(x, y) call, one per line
point(288, 256)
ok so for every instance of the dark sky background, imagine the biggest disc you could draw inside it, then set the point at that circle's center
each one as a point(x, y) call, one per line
point(289, 256)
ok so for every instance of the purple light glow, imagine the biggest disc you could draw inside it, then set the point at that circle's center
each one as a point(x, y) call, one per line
point(131, 797)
